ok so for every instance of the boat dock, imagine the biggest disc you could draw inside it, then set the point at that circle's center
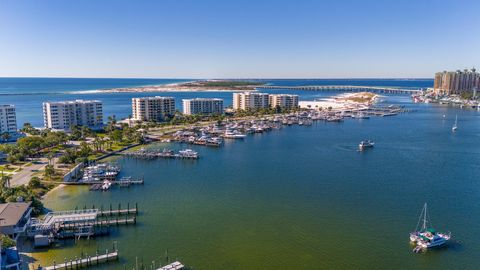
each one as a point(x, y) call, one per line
point(78, 223)
point(169, 154)
point(105, 185)
point(86, 262)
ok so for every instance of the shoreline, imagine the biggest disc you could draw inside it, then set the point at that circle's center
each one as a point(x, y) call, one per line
point(156, 90)
point(188, 86)
point(60, 186)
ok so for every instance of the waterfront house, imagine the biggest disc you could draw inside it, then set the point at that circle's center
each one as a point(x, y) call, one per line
point(14, 218)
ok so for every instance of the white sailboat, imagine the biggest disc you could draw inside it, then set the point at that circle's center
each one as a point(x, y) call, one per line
point(427, 237)
point(455, 127)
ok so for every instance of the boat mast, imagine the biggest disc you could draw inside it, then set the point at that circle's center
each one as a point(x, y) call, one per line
point(425, 217)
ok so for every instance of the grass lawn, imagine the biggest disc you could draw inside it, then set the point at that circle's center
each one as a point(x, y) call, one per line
point(9, 169)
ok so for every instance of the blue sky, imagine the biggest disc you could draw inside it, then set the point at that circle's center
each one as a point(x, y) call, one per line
point(237, 39)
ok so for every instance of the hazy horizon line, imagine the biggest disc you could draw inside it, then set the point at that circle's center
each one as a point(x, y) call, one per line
point(224, 78)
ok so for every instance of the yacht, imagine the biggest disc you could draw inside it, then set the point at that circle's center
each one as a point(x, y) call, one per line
point(233, 134)
point(427, 237)
point(188, 153)
point(366, 144)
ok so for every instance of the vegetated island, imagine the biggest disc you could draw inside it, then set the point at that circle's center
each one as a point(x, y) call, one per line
point(197, 86)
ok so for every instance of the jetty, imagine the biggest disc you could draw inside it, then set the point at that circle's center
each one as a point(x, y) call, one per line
point(346, 88)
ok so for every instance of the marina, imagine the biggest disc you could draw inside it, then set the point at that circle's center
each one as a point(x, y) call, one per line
point(215, 134)
point(304, 180)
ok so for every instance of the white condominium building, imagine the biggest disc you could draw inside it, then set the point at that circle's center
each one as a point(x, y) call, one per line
point(203, 106)
point(8, 119)
point(283, 101)
point(62, 115)
point(152, 108)
point(250, 101)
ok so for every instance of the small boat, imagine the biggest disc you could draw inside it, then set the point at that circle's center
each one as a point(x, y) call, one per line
point(106, 185)
point(455, 127)
point(360, 116)
point(366, 144)
point(426, 237)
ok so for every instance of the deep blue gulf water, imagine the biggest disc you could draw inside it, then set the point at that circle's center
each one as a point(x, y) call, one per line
point(27, 94)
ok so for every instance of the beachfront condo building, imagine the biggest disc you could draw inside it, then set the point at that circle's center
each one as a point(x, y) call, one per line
point(283, 101)
point(457, 82)
point(152, 108)
point(203, 106)
point(8, 119)
point(250, 101)
point(62, 115)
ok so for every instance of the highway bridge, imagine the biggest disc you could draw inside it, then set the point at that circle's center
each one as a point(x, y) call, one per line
point(345, 88)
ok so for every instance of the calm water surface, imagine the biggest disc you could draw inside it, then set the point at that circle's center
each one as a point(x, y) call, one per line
point(304, 198)
point(301, 197)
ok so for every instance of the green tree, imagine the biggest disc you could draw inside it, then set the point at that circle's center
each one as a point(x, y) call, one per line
point(34, 183)
point(6, 136)
point(50, 157)
point(7, 242)
point(117, 135)
point(29, 129)
point(49, 172)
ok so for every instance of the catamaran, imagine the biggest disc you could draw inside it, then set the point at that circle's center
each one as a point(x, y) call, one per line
point(454, 128)
point(427, 237)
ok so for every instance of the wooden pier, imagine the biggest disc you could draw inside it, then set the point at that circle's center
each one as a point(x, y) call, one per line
point(116, 182)
point(88, 261)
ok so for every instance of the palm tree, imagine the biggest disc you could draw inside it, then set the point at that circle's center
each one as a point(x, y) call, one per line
point(6, 136)
point(50, 157)
point(49, 171)
point(5, 180)
point(85, 132)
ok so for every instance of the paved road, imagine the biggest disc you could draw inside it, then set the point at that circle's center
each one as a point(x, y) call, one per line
point(23, 177)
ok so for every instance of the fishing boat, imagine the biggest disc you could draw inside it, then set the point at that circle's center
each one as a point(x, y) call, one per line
point(426, 237)
point(366, 144)
point(455, 127)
